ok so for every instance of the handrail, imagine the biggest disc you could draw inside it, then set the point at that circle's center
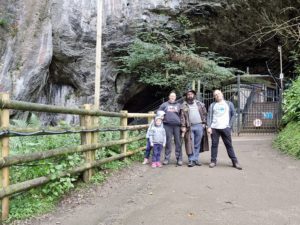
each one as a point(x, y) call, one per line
point(35, 107)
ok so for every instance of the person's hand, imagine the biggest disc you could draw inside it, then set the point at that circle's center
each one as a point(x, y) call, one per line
point(209, 130)
point(183, 129)
point(151, 144)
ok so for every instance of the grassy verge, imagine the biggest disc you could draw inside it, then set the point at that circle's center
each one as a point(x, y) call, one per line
point(43, 199)
point(288, 140)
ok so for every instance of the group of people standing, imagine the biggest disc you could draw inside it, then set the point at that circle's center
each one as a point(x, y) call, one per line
point(191, 121)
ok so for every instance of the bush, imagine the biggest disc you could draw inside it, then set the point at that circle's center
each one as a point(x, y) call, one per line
point(291, 103)
point(288, 140)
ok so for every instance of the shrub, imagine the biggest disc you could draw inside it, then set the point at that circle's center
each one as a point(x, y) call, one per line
point(291, 103)
point(288, 140)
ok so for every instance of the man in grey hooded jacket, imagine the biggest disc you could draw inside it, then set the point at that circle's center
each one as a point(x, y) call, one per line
point(220, 119)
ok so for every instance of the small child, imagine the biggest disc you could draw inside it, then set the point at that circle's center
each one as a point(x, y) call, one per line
point(157, 141)
point(160, 114)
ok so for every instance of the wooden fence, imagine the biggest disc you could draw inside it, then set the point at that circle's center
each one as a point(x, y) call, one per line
point(88, 130)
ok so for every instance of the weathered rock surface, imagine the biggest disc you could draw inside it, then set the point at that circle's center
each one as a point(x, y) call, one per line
point(47, 48)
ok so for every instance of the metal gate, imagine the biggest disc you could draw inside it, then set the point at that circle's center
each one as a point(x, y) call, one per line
point(257, 106)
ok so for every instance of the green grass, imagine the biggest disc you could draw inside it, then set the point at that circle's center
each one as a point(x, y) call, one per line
point(31, 203)
point(44, 199)
point(288, 140)
point(3, 22)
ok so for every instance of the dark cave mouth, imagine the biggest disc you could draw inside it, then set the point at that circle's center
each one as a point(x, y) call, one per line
point(149, 99)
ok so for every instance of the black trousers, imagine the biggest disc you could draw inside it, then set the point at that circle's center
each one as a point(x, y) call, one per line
point(226, 137)
point(173, 131)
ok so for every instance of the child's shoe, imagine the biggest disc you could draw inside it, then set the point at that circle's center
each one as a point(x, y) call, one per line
point(158, 164)
point(145, 161)
point(154, 165)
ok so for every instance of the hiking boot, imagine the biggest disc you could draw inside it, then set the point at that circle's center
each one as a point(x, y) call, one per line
point(166, 162)
point(212, 165)
point(191, 163)
point(146, 161)
point(158, 164)
point(179, 162)
point(153, 165)
point(237, 166)
point(197, 163)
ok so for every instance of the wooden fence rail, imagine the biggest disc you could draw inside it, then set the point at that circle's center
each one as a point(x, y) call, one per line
point(88, 130)
point(13, 132)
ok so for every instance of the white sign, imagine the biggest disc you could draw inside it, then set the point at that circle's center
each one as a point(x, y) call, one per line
point(257, 122)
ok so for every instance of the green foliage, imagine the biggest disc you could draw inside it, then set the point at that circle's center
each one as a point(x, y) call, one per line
point(184, 21)
point(108, 136)
point(291, 102)
point(98, 177)
point(44, 198)
point(30, 203)
point(32, 121)
point(288, 140)
point(3, 22)
point(142, 56)
point(170, 66)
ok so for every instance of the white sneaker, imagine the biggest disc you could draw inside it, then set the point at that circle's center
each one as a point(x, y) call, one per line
point(146, 161)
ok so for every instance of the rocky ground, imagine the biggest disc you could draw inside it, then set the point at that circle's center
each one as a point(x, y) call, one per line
point(264, 192)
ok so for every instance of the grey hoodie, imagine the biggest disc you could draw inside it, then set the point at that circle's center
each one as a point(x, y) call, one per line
point(157, 135)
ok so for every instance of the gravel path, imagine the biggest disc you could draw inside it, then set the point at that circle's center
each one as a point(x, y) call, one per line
point(265, 192)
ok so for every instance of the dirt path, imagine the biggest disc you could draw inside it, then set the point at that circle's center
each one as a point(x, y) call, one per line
point(265, 192)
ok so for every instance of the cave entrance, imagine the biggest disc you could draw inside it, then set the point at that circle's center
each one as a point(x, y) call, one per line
point(149, 99)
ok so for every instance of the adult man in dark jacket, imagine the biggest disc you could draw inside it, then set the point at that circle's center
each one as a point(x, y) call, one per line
point(220, 119)
point(172, 126)
point(193, 119)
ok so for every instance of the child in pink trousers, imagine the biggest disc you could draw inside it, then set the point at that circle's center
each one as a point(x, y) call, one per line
point(157, 141)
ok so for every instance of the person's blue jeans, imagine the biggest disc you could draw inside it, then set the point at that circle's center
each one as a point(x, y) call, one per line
point(148, 149)
point(157, 148)
point(197, 133)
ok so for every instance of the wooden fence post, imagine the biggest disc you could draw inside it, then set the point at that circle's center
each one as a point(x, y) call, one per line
point(4, 151)
point(124, 134)
point(150, 117)
point(86, 139)
point(95, 124)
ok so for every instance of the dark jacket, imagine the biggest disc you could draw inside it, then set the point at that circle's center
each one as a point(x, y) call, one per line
point(185, 123)
point(172, 111)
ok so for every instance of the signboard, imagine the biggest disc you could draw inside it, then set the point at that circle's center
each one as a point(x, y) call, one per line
point(257, 122)
point(268, 115)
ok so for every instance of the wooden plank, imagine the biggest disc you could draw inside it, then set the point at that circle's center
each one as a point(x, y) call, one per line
point(140, 115)
point(4, 151)
point(35, 107)
point(86, 139)
point(56, 131)
point(98, 54)
point(124, 134)
point(25, 158)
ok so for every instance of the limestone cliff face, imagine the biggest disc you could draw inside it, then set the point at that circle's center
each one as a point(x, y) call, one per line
point(47, 48)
